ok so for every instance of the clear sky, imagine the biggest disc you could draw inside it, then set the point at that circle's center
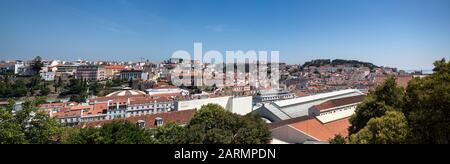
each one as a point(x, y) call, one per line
point(408, 34)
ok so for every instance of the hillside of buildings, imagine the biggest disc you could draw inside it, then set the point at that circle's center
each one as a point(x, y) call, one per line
point(311, 105)
point(335, 62)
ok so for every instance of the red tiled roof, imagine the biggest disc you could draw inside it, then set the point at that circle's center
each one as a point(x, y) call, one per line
point(401, 80)
point(339, 102)
point(67, 112)
point(118, 67)
point(60, 104)
point(323, 132)
point(287, 122)
point(180, 117)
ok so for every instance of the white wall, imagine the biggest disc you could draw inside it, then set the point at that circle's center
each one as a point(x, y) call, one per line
point(238, 105)
point(299, 110)
point(290, 135)
point(242, 105)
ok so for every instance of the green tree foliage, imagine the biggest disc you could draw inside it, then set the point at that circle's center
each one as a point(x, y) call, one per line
point(387, 97)
point(37, 65)
point(113, 133)
point(76, 90)
point(44, 91)
point(13, 89)
point(214, 125)
point(425, 104)
point(17, 87)
point(10, 132)
point(391, 128)
point(28, 125)
point(170, 133)
point(97, 89)
point(338, 139)
point(323, 62)
point(428, 106)
point(58, 83)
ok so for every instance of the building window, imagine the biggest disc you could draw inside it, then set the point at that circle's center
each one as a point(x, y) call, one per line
point(141, 124)
point(159, 121)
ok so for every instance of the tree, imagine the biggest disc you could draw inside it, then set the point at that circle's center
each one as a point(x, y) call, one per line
point(425, 106)
point(10, 132)
point(428, 106)
point(338, 139)
point(120, 132)
point(76, 89)
point(44, 91)
point(28, 125)
point(96, 88)
point(37, 65)
point(391, 128)
point(386, 97)
point(212, 124)
point(390, 93)
point(169, 134)
point(57, 83)
point(368, 109)
point(13, 89)
point(34, 84)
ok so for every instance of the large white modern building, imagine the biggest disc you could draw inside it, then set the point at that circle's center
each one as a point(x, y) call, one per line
point(272, 95)
point(238, 105)
point(298, 107)
point(167, 91)
point(324, 122)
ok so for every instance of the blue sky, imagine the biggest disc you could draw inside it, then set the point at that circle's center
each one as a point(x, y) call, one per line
point(408, 34)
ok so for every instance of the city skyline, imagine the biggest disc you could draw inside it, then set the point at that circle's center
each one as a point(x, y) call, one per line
point(407, 34)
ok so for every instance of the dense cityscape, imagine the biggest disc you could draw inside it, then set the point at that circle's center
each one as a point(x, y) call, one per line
point(316, 100)
point(212, 80)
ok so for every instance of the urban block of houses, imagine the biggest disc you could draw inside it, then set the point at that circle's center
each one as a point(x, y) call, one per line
point(133, 103)
point(113, 71)
point(148, 121)
point(15, 67)
point(90, 72)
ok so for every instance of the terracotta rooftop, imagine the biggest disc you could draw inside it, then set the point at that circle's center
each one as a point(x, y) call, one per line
point(339, 102)
point(401, 80)
point(287, 122)
point(115, 67)
point(323, 132)
point(59, 104)
point(180, 117)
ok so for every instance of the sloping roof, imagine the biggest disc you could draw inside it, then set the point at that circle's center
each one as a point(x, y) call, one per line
point(400, 80)
point(322, 132)
point(340, 102)
point(125, 93)
point(276, 111)
point(115, 67)
point(337, 114)
point(287, 122)
point(305, 99)
point(298, 107)
point(180, 117)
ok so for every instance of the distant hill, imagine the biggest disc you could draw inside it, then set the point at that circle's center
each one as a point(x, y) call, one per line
point(323, 62)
